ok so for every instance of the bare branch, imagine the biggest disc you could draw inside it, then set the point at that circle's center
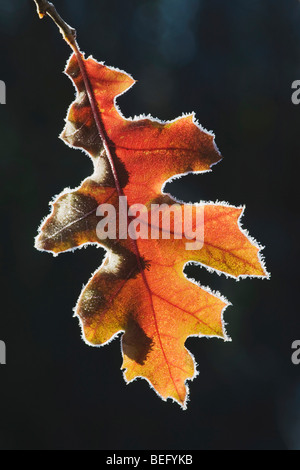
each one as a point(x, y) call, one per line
point(46, 8)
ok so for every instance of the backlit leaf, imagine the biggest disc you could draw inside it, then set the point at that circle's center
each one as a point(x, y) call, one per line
point(140, 291)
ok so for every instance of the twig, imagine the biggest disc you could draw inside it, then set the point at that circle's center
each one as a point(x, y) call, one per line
point(46, 8)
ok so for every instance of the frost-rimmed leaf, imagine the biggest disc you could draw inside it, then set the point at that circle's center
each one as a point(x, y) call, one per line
point(140, 289)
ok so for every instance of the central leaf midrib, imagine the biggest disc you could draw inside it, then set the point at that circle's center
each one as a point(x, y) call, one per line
point(103, 136)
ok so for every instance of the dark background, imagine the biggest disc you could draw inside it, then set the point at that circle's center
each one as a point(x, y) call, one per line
point(233, 63)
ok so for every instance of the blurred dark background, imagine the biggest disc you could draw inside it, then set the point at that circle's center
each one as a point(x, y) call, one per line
point(233, 63)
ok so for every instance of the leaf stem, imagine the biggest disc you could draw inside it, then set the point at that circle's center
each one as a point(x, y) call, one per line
point(46, 8)
point(97, 117)
point(69, 34)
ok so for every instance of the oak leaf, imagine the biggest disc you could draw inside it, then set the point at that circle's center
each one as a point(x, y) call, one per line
point(141, 290)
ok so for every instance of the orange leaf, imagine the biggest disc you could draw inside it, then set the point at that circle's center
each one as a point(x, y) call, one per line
point(140, 289)
point(146, 151)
